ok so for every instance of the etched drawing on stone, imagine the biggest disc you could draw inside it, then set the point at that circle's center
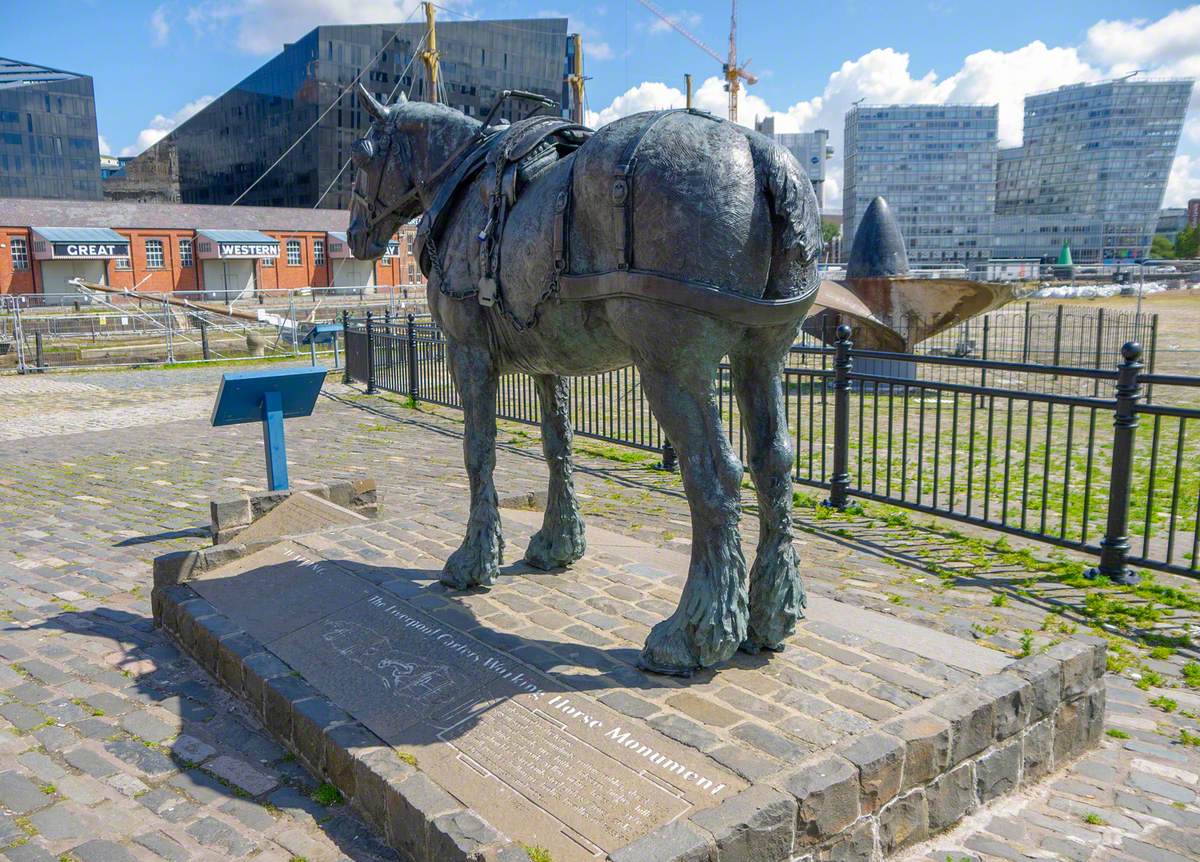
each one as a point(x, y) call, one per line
point(666, 240)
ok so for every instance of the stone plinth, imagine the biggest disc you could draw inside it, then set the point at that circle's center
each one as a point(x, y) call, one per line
point(464, 726)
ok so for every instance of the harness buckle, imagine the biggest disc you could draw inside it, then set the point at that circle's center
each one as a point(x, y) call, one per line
point(487, 292)
point(620, 190)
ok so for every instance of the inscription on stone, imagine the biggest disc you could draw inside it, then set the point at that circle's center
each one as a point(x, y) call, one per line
point(596, 797)
point(532, 757)
point(298, 514)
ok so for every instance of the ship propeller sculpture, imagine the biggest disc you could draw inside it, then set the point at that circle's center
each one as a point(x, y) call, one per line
point(889, 308)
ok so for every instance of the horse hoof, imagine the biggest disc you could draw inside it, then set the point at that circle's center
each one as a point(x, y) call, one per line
point(751, 646)
point(669, 650)
point(556, 552)
point(467, 568)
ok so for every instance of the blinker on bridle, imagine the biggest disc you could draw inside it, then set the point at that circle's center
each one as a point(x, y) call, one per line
point(366, 148)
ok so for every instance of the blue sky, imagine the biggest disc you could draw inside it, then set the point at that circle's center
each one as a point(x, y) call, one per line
point(156, 62)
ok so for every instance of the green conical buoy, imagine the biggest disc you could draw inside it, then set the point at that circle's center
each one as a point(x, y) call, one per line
point(1064, 256)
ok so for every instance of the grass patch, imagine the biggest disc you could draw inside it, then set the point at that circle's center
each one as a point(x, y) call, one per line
point(537, 853)
point(327, 795)
point(1026, 643)
point(1186, 737)
point(999, 600)
point(1150, 679)
point(410, 759)
point(1094, 819)
point(1116, 733)
point(1191, 674)
point(1164, 703)
point(614, 453)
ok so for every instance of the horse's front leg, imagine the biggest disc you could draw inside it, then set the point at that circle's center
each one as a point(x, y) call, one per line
point(477, 561)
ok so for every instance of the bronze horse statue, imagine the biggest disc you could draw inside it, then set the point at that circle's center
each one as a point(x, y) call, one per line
point(705, 245)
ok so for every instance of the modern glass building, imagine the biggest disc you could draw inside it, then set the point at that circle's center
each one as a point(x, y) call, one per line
point(49, 147)
point(811, 149)
point(936, 166)
point(1091, 171)
point(217, 154)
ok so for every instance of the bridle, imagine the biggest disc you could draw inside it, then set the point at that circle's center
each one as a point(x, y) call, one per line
point(419, 186)
point(374, 218)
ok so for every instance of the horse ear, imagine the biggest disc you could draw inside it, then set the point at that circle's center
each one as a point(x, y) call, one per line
point(374, 108)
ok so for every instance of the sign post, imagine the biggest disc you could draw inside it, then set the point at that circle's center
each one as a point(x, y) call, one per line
point(323, 333)
point(268, 397)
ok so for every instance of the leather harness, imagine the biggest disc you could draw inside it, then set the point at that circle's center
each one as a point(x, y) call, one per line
point(511, 150)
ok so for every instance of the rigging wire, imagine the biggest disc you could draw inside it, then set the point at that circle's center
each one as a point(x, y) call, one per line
point(332, 105)
point(391, 96)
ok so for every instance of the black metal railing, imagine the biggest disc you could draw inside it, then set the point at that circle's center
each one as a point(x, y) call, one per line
point(1042, 462)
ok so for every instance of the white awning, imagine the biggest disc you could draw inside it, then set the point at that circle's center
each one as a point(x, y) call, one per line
point(69, 243)
point(227, 244)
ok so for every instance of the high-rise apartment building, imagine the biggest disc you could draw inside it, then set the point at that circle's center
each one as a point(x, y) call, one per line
point(1091, 171)
point(49, 147)
point(217, 154)
point(936, 166)
point(811, 150)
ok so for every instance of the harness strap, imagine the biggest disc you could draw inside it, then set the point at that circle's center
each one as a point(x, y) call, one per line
point(623, 187)
point(695, 296)
point(562, 205)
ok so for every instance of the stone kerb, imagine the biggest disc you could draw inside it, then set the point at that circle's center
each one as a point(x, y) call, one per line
point(881, 791)
point(231, 516)
point(864, 798)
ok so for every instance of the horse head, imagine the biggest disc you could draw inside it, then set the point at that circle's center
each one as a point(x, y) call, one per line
point(385, 193)
point(394, 161)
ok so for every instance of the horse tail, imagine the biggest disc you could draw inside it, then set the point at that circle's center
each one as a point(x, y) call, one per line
point(795, 217)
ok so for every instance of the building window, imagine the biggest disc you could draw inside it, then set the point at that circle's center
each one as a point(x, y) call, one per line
point(20, 254)
point(185, 253)
point(293, 252)
point(268, 261)
point(154, 254)
point(412, 274)
point(319, 252)
point(123, 264)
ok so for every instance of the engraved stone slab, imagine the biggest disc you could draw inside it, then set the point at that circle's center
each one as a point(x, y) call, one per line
point(531, 756)
point(276, 590)
point(300, 513)
point(534, 757)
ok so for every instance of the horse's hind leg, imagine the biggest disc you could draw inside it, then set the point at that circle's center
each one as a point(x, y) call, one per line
point(710, 622)
point(560, 540)
point(477, 561)
point(776, 593)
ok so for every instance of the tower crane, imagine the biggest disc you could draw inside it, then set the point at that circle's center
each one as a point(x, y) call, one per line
point(732, 72)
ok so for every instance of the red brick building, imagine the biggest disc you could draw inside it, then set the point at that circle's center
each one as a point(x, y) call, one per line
point(217, 252)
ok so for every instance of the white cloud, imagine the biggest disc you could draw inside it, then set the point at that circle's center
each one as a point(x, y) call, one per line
point(594, 46)
point(160, 28)
point(1184, 183)
point(650, 96)
point(105, 149)
point(161, 125)
point(1167, 46)
point(263, 26)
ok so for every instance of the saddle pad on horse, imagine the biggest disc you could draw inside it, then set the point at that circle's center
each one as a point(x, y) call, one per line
point(510, 145)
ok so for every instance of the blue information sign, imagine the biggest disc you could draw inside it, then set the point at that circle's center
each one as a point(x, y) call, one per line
point(268, 397)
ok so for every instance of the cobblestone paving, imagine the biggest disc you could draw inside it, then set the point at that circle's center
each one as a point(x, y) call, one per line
point(115, 747)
